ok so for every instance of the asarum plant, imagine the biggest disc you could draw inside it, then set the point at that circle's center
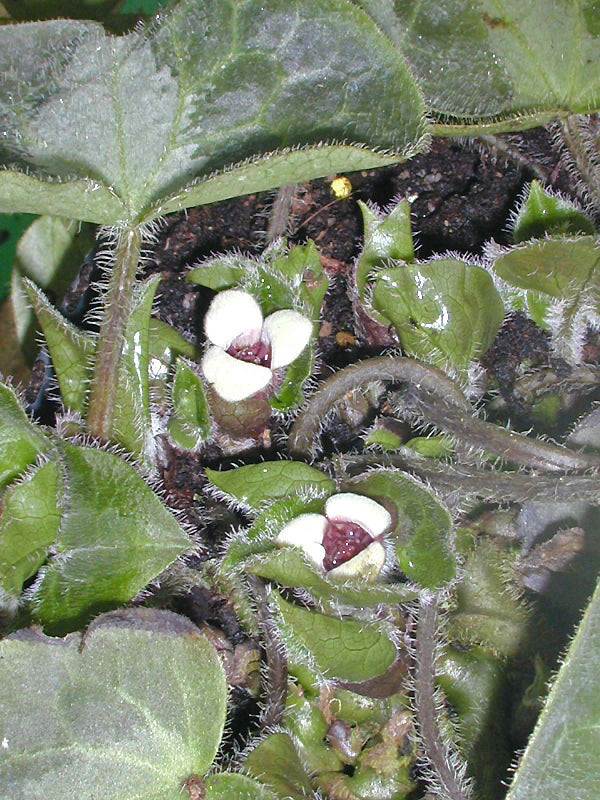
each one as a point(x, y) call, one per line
point(346, 542)
point(246, 350)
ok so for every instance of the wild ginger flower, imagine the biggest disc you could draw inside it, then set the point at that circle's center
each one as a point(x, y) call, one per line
point(346, 542)
point(245, 349)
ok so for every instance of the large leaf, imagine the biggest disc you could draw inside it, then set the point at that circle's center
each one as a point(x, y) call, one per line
point(499, 58)
point(86, 716)
point(445, 311)
point(150, 122)
point(115, 537)
point(562, 757)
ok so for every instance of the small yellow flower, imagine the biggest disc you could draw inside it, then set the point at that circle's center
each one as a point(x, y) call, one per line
point(341, 187)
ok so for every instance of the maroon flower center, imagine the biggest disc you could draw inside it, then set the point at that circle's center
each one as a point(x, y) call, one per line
point(257, 353)
point(342, 541)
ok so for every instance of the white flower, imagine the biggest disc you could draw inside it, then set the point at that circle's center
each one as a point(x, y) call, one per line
point(346, 542)
point(245, 349)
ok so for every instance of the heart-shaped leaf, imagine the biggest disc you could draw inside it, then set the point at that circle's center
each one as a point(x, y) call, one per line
point(86, 716)
point(151, 121)
point(343, 648)
point(524, 62)
point(445, 311)
point(115, 537)
point(256, 484)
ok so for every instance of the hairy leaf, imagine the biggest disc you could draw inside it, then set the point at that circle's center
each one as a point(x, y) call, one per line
point(231, 786)
point(115, 537)
point(190, 424)
point(341, 648)
point(151, 121)
point(444, 311)
point(560, 760)
point(21, 442)
point(255, 484)
point(480, 61)
point(93, 718)
point(422, 530)
point(29, 521)
point(543, 213)
point(275, 763)
point(71, 350)
point(558, 281)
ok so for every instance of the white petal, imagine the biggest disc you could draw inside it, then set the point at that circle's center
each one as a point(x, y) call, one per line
point(289, 332)
point(306, 532)
point(373, 517)
point(366, 565)
point(232, 379)
point(230, 314)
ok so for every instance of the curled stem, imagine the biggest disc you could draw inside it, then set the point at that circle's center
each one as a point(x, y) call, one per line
point(116, 312)
point(308, 424)
point(516, 448)
point(465, 484)
point(444, 765)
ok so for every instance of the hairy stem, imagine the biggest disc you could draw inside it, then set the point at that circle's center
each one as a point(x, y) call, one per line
point(465, 485)
point(279, 218)
point(448, 782)
point(307, 426)
point(116, 310)
point(582, 147)
point(515, 448)
point(510, 151)
point(277, 675)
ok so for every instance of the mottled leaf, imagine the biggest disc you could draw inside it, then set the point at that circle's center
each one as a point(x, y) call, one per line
point(94, 719)
point(521, 62)
point(444, 311)
point(209, 85)
point(344, 648)
point(255, 484)
point(561, 758)
point(422, 530)
point(115, 537)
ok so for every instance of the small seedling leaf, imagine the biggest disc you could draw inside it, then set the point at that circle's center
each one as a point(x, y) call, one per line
point(21, 442)
point(542, 213)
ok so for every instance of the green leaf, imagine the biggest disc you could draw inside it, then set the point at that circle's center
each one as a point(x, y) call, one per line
point(386, 237)
point(560, 283)
point(190, 424)
point(542, 213)
point(423, 529)
point(94, 719)
point(151, 121)
point(488, 610)
point(12, 228)
point(343, 648)
point(487, 61)
point(256, 484)
point(165, 343)
point(29, 521)
point(560, 760)
point(71, 350)
point(218, 273)
point(444, 311)
point(133, 425)
point(288, 568)
point(21, 442)
point(275, 763)
point(230, 786)
point(302, 266)
point(115, 537)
